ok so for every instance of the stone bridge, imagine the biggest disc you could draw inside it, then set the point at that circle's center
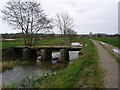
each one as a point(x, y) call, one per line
point(31, 53)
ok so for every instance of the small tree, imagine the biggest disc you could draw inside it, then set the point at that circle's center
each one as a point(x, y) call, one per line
point(71, 34)
point(63, 22)
point(27, 17)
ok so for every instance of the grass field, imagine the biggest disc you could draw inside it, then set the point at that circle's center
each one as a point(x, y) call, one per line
point(47, 42)
point(111, 40)
point(55, 42)
point(12, 43)
point(83, 72)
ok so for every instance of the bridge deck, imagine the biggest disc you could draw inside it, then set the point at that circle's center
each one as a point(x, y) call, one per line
point(70, 48)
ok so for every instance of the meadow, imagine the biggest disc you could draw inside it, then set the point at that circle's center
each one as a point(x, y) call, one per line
point(47, 42)
point(110, 40)
point(11, 43)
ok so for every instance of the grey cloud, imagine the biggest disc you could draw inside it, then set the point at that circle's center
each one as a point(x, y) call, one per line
point(88, 15)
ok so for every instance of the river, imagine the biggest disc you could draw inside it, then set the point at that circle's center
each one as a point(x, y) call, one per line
point(18, 73)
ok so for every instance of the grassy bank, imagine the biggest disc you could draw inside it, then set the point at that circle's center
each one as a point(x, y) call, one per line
point(83, 72)
point(6, 65)
point(111, 40)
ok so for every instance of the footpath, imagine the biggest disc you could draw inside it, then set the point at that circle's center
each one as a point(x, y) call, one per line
point(109, 66)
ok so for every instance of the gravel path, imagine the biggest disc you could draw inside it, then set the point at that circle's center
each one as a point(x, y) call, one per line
point(109, 65)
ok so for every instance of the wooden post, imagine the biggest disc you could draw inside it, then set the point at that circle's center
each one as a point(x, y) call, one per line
point(64, 55)
point(46, 55)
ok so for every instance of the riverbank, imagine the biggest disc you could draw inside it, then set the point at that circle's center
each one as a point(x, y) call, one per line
point(7, 65)
point(84, 72)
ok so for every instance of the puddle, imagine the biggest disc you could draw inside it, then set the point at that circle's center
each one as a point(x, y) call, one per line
point(9, 39)
point(103, 43)
point(116, 51)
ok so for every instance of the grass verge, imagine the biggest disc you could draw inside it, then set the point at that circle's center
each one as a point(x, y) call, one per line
point(110, 52)
point(115, 41)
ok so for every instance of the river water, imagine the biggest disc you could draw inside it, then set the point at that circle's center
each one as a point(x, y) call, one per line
point(18, 73)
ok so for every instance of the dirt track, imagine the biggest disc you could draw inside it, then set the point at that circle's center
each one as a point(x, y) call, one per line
point(110, 67)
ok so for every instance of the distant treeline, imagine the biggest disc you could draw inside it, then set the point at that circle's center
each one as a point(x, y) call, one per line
point(19, 35)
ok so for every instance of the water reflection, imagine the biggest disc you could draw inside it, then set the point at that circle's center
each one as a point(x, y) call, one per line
point(20, 72)
point(72, 55)
point(116, 51)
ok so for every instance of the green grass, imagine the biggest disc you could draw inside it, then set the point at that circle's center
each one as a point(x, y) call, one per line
point(44, 42)
point(47, 42)
point(58, 41)
point(55, 42)
point(84, 72)
point(111, 40)
point(12, 43)
point(110, 52)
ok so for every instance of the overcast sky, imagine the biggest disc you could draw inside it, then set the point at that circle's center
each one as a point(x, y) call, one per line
point(96, 16)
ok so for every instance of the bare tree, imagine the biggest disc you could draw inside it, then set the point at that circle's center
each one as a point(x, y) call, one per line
point(28, 17)
point(63, 22)
point(71, 34)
